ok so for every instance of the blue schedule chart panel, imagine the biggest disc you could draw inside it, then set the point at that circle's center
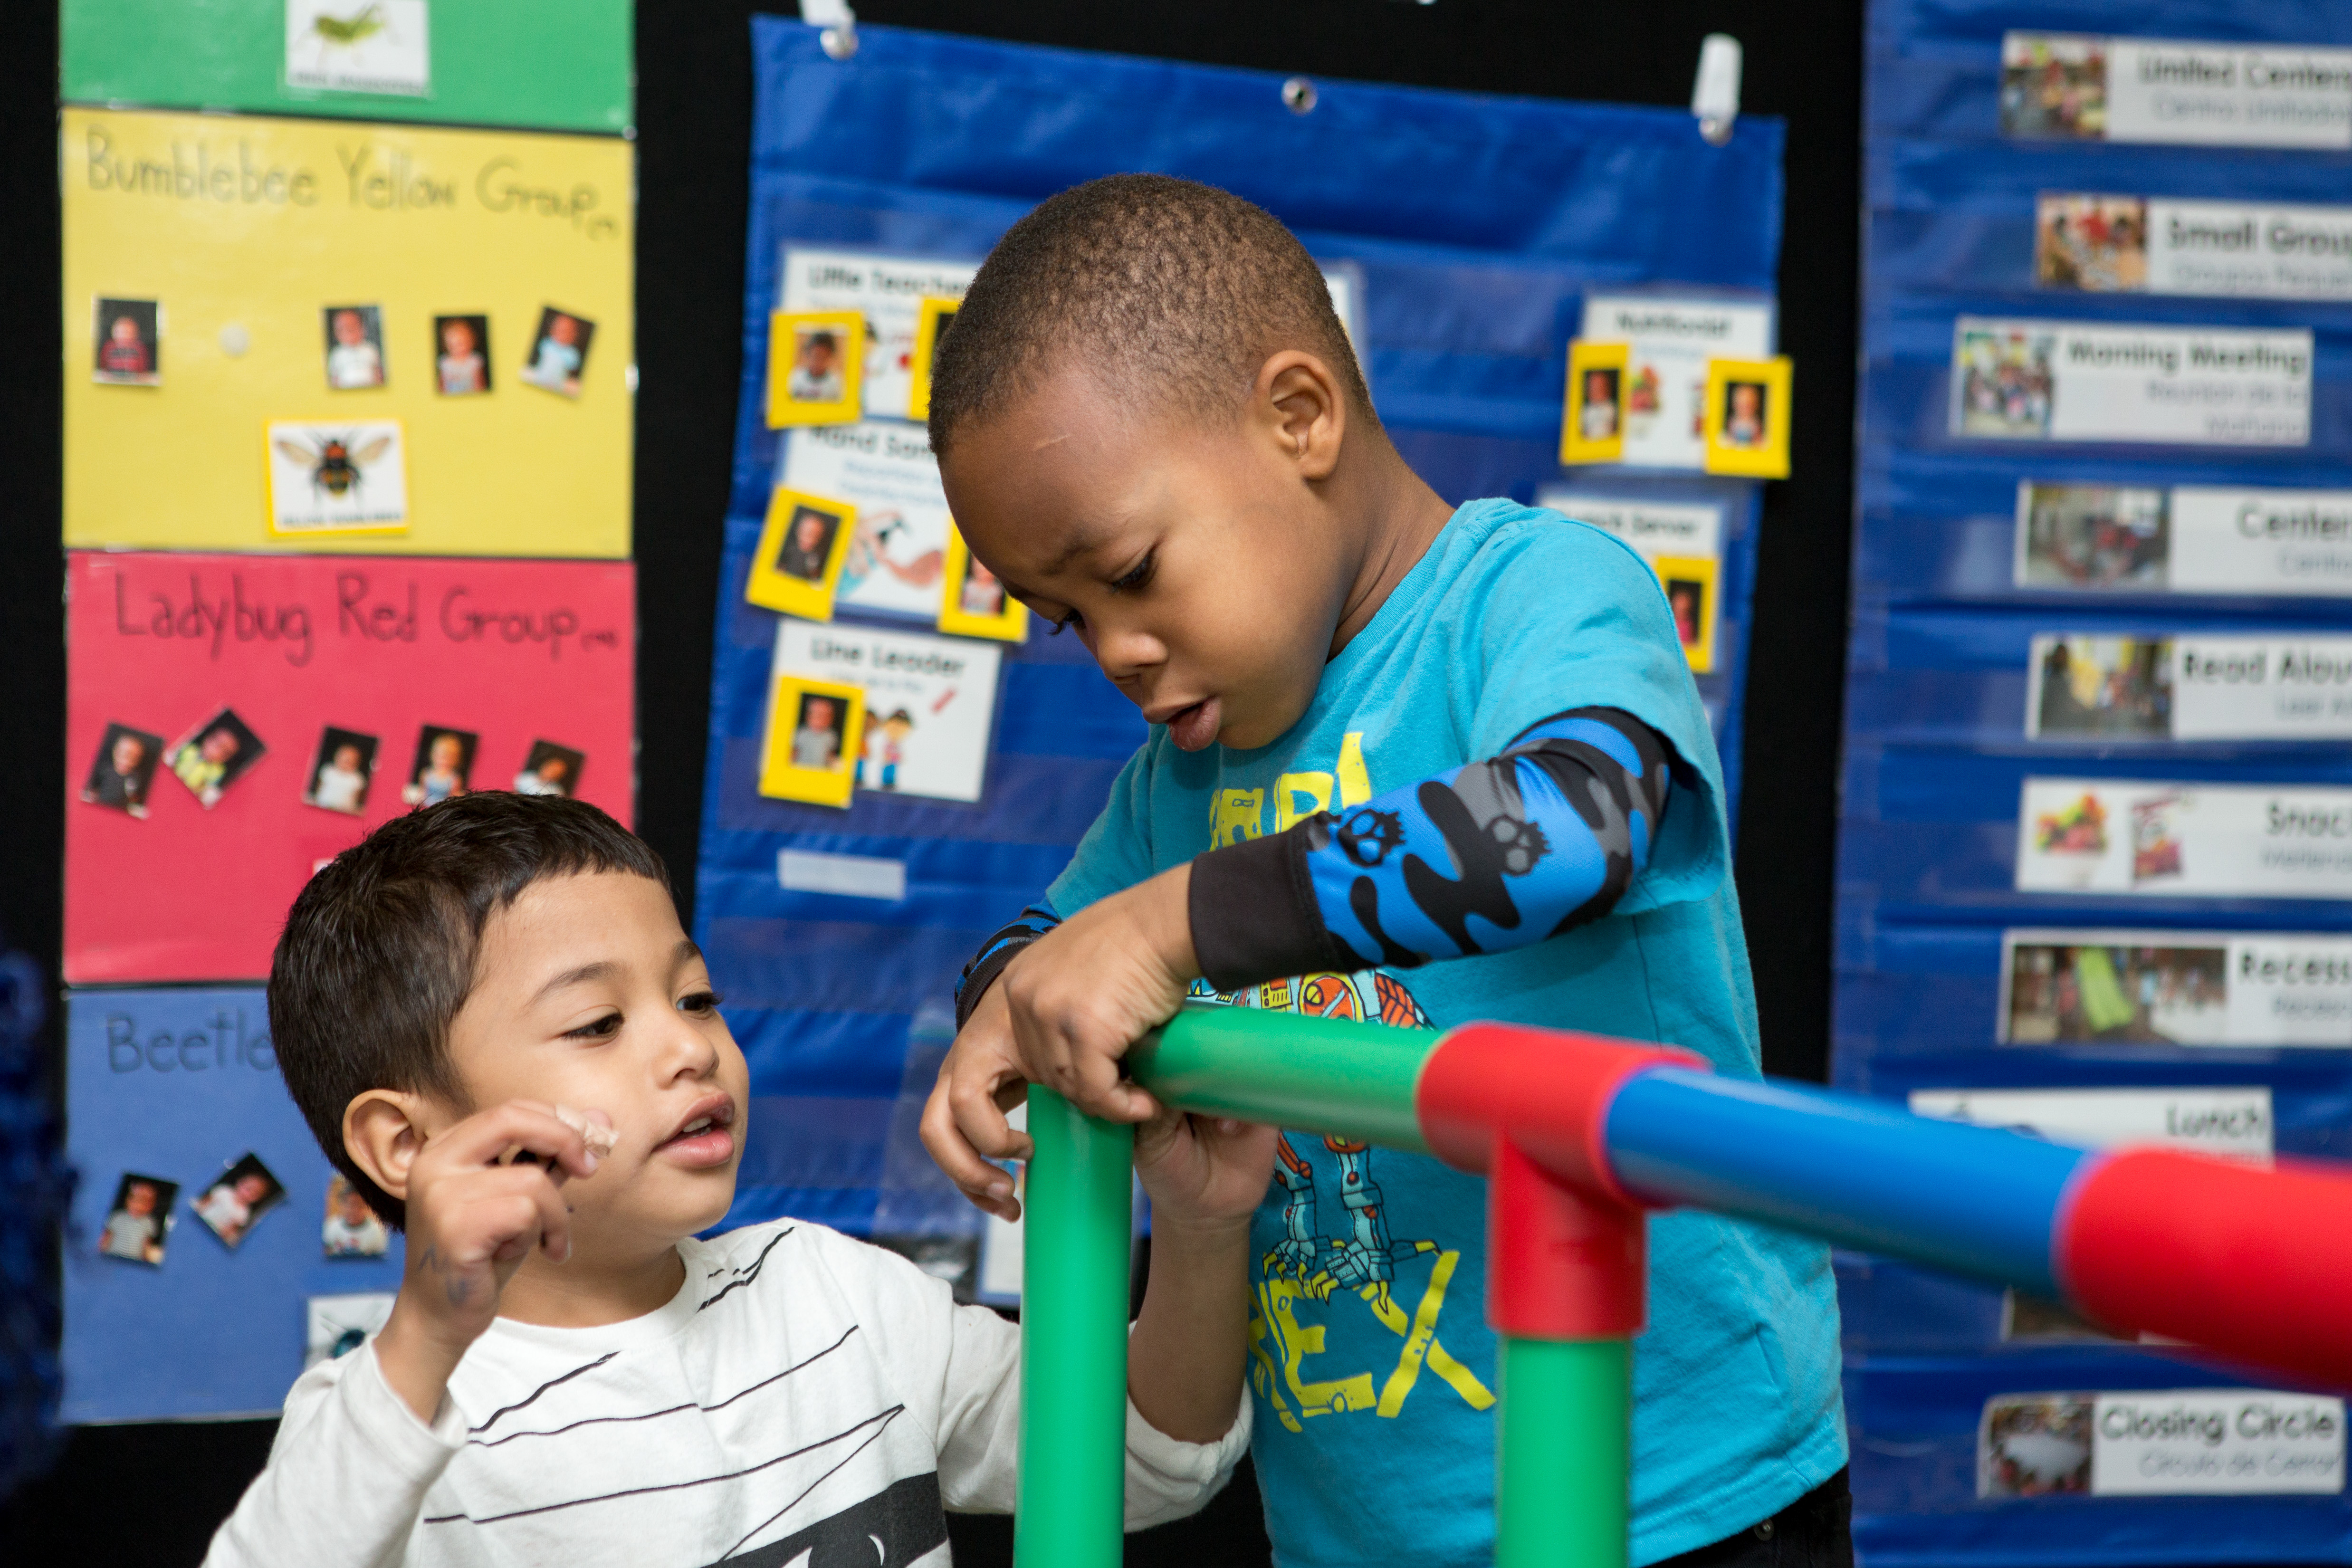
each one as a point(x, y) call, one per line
point(1463, 236)
point(2096, 750)
point(168, 1089)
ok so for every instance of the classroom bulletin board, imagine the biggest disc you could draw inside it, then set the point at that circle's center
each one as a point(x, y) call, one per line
point(347, 384)
point(2096, 783)
point(249, 236)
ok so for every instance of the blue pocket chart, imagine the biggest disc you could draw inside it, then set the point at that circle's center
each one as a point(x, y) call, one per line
point(176, 1084)
point(2042, 586)
point(1470, 230)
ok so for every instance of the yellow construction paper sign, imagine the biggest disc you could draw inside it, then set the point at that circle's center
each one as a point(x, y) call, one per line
point(313, 272)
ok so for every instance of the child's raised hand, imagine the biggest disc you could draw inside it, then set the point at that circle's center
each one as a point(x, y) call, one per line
point(471, 1222)
point(1063, 1013)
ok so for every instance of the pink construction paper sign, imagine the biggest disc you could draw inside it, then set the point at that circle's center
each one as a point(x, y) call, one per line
point(511, 653)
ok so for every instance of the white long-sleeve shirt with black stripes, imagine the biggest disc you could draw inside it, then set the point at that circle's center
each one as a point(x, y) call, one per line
point(805, 1398)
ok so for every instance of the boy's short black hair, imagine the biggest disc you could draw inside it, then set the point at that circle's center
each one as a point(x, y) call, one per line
point(1177, 289)
point(379, 950)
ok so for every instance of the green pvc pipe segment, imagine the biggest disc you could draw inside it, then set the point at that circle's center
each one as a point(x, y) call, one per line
point(1563, 1443)
point(1079, 1225)
point(1314, 1075)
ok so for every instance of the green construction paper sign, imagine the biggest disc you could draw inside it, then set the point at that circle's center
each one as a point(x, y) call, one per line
point(546, 65)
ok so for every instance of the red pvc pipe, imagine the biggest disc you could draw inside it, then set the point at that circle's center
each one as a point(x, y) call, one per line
point(2249, 1262)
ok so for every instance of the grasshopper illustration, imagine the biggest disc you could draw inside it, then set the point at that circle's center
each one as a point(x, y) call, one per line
point(361, 24)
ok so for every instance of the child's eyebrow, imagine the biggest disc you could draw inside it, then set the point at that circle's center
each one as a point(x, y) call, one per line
point(603, 969)
point(1087, 540)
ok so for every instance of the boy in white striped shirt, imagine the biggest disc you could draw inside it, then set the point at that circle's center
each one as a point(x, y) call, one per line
point(568, 1375)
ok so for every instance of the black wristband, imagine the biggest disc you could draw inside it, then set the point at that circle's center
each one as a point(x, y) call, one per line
point(1252, 913)
point(982, 976)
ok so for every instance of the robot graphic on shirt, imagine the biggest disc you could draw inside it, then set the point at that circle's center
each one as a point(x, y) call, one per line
point(1307, 1275)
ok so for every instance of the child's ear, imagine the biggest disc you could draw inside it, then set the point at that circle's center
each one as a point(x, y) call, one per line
point(384, 1130)
point(1302, 406)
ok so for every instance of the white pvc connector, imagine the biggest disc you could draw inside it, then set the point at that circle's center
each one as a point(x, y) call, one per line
point(839, 39)
point(1715, 95)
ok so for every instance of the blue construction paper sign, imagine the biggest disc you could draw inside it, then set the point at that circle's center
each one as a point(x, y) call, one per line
point(1473, 225)
point(178, 1084)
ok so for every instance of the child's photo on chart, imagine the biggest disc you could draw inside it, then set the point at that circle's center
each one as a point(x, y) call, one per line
point(443, 764)
point(215, 755)
point(1598, 418)
point(354, 347)
point(352, 1229)
point(238, 1197)
point(129, 351)
point(139, 1221)
point(559, 352)
point(461, 356)
point(124, 769)
point(981, 593)
point(1746, 413)
point(816, 372)
point(340, 771)
point(817, 732)
point(549, 769)
point(808, 544)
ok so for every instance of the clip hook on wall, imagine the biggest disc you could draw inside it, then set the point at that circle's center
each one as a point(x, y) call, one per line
point(839, 39)
point(1715, 94)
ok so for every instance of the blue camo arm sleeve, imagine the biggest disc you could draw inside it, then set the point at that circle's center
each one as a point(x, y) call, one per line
point(1498, 854)
point(996, 953)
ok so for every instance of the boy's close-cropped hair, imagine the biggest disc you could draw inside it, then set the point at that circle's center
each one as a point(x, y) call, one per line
point(379, 950)
point(1174, 291)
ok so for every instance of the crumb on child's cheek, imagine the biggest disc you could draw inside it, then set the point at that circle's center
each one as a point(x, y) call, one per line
point(598, 1134)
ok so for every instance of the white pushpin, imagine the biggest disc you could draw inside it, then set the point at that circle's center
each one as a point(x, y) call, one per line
point(839, 38)
point(1715, 94)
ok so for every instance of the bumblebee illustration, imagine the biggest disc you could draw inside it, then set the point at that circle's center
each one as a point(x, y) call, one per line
point(335, 467)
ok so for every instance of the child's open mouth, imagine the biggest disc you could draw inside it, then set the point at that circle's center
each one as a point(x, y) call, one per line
point(1194, 727)
point(706, 1137)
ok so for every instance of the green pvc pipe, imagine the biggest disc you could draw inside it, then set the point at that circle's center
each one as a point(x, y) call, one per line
point(1313, 1075)
point(1074, 1295)
point(1563, 1453)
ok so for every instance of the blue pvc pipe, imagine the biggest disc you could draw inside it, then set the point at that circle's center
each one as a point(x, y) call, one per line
point(1856, 1173)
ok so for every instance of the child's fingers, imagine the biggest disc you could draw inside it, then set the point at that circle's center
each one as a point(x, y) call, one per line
point(506, 1211)
point(952, 1118)
point(1090, 1080)
point(1156, 1135)
point(531, 1127)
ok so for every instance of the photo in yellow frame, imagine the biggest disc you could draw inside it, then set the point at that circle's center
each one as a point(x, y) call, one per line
point(1690, 583)
point(816, 367)
point(1748, 410)
point(816, 732)
point(802, 548)
point(933, 317)
point(1593, 421)
point(973, 603)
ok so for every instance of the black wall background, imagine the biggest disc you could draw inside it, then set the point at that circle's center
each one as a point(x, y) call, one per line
point(153, 1494)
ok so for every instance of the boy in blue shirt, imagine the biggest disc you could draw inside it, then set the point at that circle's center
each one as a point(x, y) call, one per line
point(1409, 762)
